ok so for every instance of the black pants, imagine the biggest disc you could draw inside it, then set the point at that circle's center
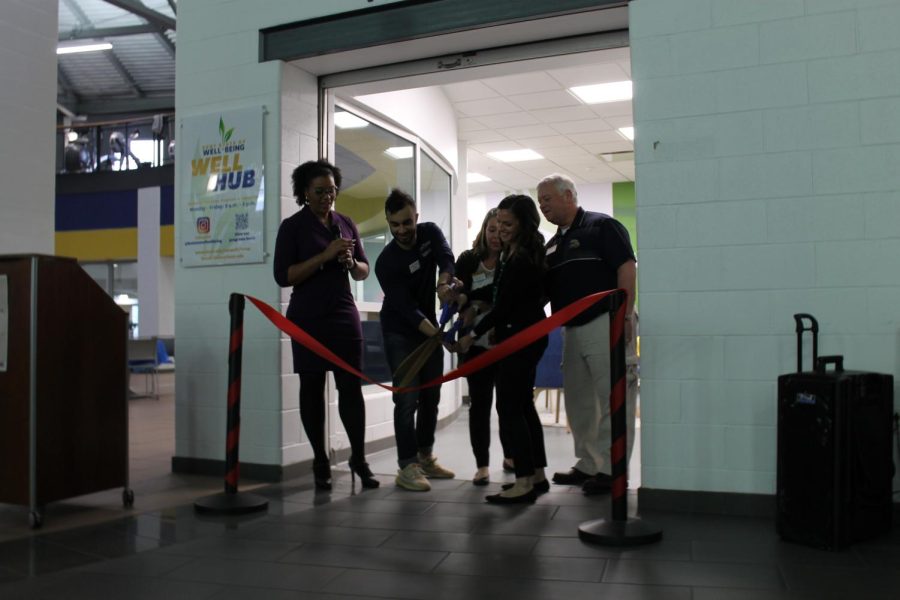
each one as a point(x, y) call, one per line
point(519, 420)
point(481, 394)
point(351, 407)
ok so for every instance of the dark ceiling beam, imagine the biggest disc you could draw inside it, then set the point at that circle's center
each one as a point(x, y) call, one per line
point(173, 7)
point(136, 8)
point(89, 33)
point(101, 106)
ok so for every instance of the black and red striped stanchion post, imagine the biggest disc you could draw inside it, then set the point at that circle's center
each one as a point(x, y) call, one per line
point(231, 501)
point(620, 530)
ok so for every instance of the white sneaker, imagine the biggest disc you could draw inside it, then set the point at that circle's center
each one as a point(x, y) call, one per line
point(433, 470)
point(412, 478)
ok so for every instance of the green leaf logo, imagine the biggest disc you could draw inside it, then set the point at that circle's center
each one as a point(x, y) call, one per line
point(224, 135)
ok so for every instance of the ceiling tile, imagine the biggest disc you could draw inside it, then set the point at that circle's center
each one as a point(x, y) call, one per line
point(545, 100)
point(490, 106)
point(498, 146)
point(601, 147)
point(546, 142)
point(596, 137)
point(568, 113)
point(612, 109)
point(469, 124)
point(623, 121)
point(565, 152)
point(479, 137)
point(526, 83)
point(570, 127)
point(588, 74)
point(515, 119)
point(528, 131)
point(468, 90)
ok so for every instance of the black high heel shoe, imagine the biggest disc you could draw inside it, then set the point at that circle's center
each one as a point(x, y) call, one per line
point(365, 474)
point(322, 475)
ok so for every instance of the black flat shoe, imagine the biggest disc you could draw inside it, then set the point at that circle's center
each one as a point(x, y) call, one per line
point(365, 475)
point(572, 477)
point(527, 498)
point(481, 480)
point(541, 487)
point(322, 475)
point(599, 484)
point(508, 466)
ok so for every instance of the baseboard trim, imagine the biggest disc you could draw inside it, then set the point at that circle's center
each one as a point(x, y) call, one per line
point(710, 503)
point(275, 473)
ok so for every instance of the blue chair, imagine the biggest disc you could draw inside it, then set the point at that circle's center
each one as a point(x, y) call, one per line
point(549, 376)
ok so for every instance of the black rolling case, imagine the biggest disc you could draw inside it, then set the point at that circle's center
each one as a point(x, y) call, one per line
point(834, 451)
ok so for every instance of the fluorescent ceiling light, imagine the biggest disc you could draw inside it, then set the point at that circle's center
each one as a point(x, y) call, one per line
point(83, 48)
point(627, 132)
point(515, 155)
point(603, 92)
point(125, 300)
point(345, 120)
point(400, 152)
point(476, 178)
point(72, 136)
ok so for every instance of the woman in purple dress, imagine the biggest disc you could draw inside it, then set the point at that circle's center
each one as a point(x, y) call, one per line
point(316, 249)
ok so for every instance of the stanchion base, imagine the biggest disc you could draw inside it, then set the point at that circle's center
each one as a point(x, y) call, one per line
point(231, 504)
point(607, 532)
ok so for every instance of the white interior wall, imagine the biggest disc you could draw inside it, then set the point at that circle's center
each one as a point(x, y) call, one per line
point(28, 34)
point(768, 135)
point(148, 260)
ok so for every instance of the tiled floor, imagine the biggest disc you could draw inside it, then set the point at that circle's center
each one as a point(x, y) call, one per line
point(387, 543)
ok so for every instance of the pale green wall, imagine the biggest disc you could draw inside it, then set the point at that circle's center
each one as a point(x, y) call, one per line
point(768, 139)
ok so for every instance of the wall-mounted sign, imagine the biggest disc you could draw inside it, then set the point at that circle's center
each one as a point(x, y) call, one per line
point(222, 199)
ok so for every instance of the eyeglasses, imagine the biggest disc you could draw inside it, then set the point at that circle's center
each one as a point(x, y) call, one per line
point(326, 191)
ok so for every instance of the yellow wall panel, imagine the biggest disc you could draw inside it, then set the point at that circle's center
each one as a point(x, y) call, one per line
point(98, 244)
point(167, 240)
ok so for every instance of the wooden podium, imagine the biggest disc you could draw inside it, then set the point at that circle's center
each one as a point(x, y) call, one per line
point(63, 385)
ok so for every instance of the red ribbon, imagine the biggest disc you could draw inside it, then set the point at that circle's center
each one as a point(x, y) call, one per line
point(502, 350)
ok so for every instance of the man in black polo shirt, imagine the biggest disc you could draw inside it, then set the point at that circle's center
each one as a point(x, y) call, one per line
point(591, 252)
point(406, 270)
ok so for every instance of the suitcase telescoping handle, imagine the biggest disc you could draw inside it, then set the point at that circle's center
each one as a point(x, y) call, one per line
point(823, 361)
point(814, 327)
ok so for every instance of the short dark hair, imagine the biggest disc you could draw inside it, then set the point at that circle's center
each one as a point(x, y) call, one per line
point(305, 173)
point(397, 200)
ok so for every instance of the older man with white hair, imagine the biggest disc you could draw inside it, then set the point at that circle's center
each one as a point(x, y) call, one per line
point(591, 252)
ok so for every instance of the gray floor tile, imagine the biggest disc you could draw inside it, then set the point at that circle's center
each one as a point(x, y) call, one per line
point(847, 580)
point(878, 555)
point(106, 542)
point(524, 567)
point(455, 587)
point(462, 542)
point(251, 593)
point(734, 594)
point(232, 547)
point(147, 564)
point(357, 557)
point(93, 586)
point(658, 572)
point(314, 534)
point(524, 524)
point(256, 574)
point(410, 522)
point(34, 557)
point(664, 550)
point(392, 505)
point(741, 551)
point(484, 509)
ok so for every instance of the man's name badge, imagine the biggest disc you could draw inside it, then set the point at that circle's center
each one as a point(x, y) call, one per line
point(414, 266)
point(550, 250)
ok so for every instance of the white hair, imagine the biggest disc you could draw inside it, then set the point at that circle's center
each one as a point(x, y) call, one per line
point(561, 183)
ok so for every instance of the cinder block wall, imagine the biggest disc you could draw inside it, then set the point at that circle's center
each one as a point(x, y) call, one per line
point(768, 183)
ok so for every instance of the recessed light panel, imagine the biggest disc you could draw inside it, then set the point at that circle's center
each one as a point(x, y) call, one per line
point(603, 92)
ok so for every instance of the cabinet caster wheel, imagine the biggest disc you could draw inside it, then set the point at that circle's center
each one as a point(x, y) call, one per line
point(128, 498)
point(35, 519)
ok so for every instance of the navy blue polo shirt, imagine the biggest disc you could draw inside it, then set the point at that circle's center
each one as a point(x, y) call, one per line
point(584, 260)
point(408, 279)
